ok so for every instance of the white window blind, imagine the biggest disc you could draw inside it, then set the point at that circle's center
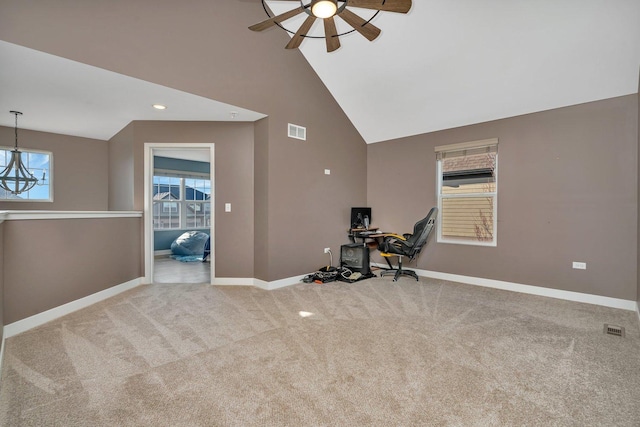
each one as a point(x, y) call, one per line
point(467, 192)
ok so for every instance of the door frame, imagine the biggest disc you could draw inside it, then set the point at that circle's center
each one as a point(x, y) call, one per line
point(149, 148)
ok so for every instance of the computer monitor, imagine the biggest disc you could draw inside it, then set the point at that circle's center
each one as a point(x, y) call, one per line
point(355, 257)
point(360, 217)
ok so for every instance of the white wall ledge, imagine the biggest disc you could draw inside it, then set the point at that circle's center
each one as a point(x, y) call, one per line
point(32, 215)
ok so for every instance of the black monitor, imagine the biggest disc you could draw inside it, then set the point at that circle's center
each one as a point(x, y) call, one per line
point(355, 256)
point(360, 217)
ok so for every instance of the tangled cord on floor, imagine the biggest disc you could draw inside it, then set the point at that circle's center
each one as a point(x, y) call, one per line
point(330, 274)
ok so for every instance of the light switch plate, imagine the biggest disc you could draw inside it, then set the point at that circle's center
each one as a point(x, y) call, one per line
point(227, 207)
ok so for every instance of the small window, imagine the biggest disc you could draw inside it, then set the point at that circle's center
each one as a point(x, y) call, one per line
point(181, 202)
point(170, 207)
point(39, 164)
point(198, 194)
point(197, 189)
point(468, 192)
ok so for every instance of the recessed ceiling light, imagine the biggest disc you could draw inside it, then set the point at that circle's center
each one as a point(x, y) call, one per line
point(159, 107)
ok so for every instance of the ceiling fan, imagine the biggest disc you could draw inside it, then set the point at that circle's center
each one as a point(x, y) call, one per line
point(327, 10)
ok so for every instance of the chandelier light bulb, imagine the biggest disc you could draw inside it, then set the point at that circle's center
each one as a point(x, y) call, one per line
point(324, 9)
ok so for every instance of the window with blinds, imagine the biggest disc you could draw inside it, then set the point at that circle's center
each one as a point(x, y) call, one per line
point(468, 192)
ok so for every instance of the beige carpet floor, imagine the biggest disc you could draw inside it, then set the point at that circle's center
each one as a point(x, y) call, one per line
point(375, 352)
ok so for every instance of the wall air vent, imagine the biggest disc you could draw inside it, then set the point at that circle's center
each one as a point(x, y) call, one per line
point(297, 132)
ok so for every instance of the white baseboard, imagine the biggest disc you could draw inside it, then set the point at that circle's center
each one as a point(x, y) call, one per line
point(232, 281)
point(2, 353)
point(277, 284)
point(23, 325)
point(162, 253)
point(258, 283)
point(529, 289)
point(638, 310)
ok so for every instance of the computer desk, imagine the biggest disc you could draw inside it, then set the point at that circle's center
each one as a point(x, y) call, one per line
point(361, 233)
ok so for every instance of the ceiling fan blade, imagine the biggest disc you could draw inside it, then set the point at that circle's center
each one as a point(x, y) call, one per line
point(276, 19)
point(400, 6)
point(302, 31)
point(331, 34)
point(365, 28)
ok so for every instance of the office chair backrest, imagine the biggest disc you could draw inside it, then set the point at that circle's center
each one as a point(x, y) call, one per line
point(421, 231)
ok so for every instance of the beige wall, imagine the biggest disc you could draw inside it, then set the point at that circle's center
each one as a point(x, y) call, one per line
point(233, 183)
point(80, 171)
point(2, 323)
point(306, 210)
point(121, 170)
point(72, 258)
point(261, 200)
point(567, 191)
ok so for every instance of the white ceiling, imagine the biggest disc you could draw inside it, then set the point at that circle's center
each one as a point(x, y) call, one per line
point(453, 63)
point(63, 96)
point(444, 64)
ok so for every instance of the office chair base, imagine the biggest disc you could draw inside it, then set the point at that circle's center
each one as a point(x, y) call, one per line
point(399, 272)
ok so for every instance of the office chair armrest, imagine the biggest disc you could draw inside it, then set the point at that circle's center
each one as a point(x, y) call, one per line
point(393, 244)
point(385, 235)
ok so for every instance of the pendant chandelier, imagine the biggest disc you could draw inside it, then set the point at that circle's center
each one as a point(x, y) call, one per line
point(15, 178)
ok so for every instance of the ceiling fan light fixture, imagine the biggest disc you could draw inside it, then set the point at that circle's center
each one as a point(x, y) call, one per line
point(324, 8)
point(327, 10)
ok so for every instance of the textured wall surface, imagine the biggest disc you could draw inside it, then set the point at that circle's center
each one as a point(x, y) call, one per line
point(121, 170)
point(80, 170)
point(567, 191)
point(1, 280)
point(66, 260)
point(305, 209)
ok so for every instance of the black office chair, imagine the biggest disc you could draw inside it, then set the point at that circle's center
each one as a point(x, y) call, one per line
point(408, 245)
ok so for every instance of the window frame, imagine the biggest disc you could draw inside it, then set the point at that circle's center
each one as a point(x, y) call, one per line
point(48, 177)
point(183, 203)
point(493, 194)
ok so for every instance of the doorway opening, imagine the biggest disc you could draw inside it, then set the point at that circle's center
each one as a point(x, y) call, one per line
point(179, 207)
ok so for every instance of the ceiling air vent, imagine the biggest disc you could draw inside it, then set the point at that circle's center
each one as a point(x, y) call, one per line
point(297, 132)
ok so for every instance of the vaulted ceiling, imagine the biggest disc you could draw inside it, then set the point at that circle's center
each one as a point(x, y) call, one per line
point(444, 64)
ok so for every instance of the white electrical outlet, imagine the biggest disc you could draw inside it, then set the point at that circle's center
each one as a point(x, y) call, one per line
point(227, 207)
point(580, 265)
point(327, 171)
point(327, 250)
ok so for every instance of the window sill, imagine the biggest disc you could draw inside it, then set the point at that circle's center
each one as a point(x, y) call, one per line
point(32, 215)
point(467, 242)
